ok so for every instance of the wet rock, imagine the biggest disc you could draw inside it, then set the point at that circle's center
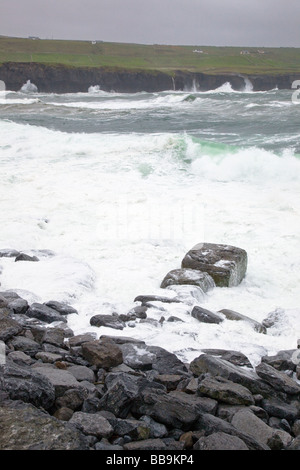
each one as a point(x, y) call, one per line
point(104, 444)
point(156, 298)
point(294, 445)
point(281, 409)
point(72, 398)
point(44, 313)
point(205, 316)
point(215, 366)
point(235, 316)
point(54, 336)
point(148, 444)
point(109, 321)
point(225, 391)
point(246, 422)
point(235, 357)
point(20, 358)
point(26, 345)
point(8, 253)
point(82, 373)
point(277, 379)
point(60, 307)
point(190, 277)
point(156, 429)
point(136, 429)
point(220, 441)
point(78, 340)
point(25, 257)
point(226, 264)
point(9, 328)
point(120, 395)
point(210, 424)
point(46, 432)
point(283, 360)
point(92, 424)
point(62, 380)
point(170, 381)
point(169, 410)
point(22, 383)
point(103, 354)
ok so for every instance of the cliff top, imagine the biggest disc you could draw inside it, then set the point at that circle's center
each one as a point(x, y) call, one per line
point(209, 59)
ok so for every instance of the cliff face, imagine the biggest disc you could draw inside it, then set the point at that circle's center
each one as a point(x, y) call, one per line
point(61, 79)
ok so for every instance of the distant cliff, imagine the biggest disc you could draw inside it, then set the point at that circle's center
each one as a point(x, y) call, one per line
point(62, 79)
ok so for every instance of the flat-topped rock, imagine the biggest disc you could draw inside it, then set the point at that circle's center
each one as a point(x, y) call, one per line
point(188, 276)
point(226, 264)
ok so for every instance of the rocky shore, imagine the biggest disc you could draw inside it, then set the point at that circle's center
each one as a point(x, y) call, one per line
point(63, 79)
point(62, 391)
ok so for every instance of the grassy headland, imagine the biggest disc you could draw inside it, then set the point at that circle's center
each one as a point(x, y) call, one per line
point(207, 59)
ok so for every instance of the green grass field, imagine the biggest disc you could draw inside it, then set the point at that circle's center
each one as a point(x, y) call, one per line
point(151, 57)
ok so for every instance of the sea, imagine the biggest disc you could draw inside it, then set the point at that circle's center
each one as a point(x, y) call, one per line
point(110, 191)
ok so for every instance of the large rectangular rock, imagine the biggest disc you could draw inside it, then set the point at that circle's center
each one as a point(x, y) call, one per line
point(226, 264)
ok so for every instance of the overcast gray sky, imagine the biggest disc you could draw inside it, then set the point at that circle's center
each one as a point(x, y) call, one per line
point(190, 22)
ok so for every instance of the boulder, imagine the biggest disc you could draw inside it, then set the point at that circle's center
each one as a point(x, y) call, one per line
point(25, 257)
point(235, 316)
point(226, 264)
point(205, 316)
point(62, 380)
point(102, 354)
point(235, 357)
point(24, 427)
point(109, 321)
point(246, 422)
point(283, 360)
point(26, 345)
point(23, 383)
point(122, 390)
point(8, 328)
point(92, 424)
point(277, 379)
point(220, 441)
point(215, 366)
point(190, 277)
point(44, 313)
point(156, 429)
point(225, 391)
point(148, 444)
point(62, 308)
point(279, 408)
point(136, 429)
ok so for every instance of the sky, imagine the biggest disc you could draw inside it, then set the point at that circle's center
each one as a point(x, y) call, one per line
point(269, 23)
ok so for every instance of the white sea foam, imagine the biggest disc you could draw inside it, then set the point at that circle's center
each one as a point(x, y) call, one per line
point(29, 87)
point(62, 191)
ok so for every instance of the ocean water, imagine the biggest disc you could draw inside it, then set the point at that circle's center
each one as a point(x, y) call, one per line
point(111, 190)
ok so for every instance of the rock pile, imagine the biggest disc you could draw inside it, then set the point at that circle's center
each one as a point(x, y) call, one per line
point(61, 391)
point(64, 391)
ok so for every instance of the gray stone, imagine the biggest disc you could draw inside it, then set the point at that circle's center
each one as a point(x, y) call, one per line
point(48, 357)
point(102, 354)
point(235, 357)
point(295, 444)
point(78, 340)
point(82, 373)
point(246, 422)
point(92, 424)
point(54, 336)
point(136, 429)
point(20, 358)
point(26, 345)
point(62, 380)
point(220, 441)
point(225, 391)
point(18, 306)
point(215, 366)
point(62, 308)
point(236, 316)
point(277, 379)
point(226, 264)
point(24, 427)
point(104, 444)
point(281, 409)
point(122, 390)
point(8, 253)
point(44, 313)
point(22, 383)
point(72, 398)
point(109, 321)
point(205, 316)
point(156, 429)
point(25, 257)
point(148, 444)
point(188, 276)
point(8, 328)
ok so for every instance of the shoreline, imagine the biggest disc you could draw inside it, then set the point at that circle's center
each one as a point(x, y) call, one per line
point(117, 393)
point(65, 79)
